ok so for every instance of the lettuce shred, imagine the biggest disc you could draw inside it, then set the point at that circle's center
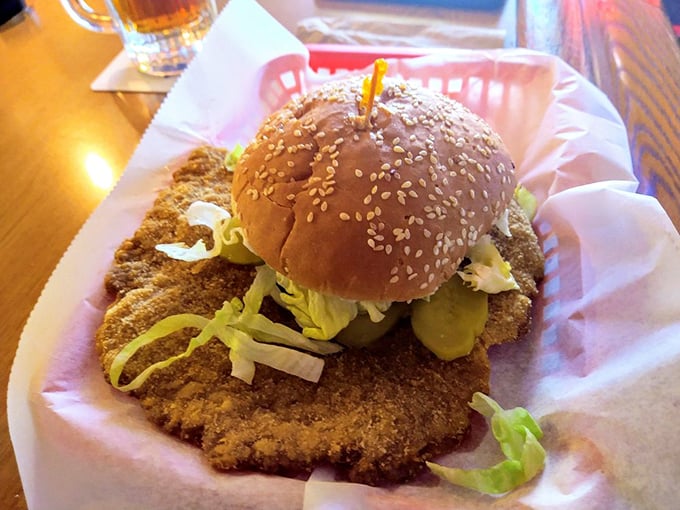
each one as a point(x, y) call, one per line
point(237, 325)
point(228, 239)
point(526, 201)
point(518, 435)
point(487, 271)
point(233, 156)
point(322, 316)
point(208, 215)
point(502, 223)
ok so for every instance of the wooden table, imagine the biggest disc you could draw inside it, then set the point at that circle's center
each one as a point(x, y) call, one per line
point(50, 122)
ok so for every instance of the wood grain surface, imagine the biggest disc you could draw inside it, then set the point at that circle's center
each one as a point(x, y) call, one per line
point(50, 121)
point(629, 50)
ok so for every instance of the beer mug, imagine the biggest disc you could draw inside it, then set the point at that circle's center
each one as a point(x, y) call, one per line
point(160, 36)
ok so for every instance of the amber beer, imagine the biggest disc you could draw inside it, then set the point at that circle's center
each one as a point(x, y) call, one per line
point(161, 36)
point(148, 16)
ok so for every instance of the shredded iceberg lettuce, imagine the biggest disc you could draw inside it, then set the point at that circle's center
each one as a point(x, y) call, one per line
point(237, 324)
point(518, 435)
point(526, 201)
point(232, 157)
point(487, 271)
point(227, 237)
point(319, 315)
point(208, 215)
point(503, 223)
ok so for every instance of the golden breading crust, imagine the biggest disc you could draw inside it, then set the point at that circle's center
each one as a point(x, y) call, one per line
point(376, 415)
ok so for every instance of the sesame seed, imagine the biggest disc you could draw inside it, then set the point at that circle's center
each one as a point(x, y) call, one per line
point(310, 217)
point(394, 279)
point(385, 195)
point(358, 172)
point(344, 216)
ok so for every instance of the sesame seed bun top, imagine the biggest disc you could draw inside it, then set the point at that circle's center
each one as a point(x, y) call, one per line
point(378, 212)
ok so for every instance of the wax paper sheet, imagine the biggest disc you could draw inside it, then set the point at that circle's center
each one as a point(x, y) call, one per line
point(600, 369)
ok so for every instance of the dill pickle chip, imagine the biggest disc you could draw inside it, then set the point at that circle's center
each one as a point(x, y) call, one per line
point(239, 254)
point(450, 321)
point(362, 331)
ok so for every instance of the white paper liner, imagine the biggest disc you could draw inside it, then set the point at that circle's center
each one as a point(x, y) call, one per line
point(599, 369)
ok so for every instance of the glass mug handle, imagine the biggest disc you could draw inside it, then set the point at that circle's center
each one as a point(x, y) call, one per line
point(87, 17)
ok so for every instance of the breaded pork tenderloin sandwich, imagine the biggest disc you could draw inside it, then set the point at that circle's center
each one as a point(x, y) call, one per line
point(327, 296)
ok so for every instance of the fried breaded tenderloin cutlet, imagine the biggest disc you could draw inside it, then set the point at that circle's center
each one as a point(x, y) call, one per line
point(375, 415)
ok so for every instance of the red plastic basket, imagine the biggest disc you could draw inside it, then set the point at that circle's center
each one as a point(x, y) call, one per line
point(331, 58)
point(284, 77)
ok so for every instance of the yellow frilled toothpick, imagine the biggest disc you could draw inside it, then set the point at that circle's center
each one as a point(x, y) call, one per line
point(370, 88)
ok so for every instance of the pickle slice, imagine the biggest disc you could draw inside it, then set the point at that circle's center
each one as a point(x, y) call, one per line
point(450, 321)
point(237, 253)
point(362, 331)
